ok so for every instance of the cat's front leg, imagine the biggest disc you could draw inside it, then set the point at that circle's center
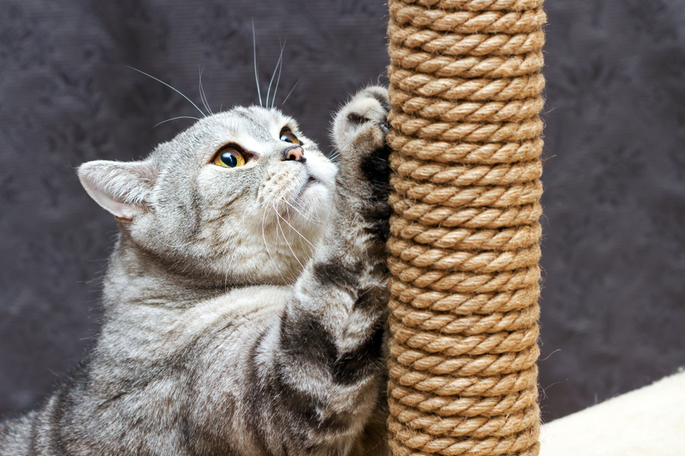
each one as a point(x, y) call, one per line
point(329, 369)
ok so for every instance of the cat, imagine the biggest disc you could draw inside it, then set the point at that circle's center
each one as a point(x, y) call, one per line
point(245, 300)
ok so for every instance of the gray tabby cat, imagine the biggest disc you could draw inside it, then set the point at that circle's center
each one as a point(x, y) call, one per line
point(244, 301)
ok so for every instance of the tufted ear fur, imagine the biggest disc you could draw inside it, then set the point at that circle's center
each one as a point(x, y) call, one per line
point(122, 188)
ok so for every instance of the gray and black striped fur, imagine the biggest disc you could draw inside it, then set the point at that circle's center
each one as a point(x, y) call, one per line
point(244, 307)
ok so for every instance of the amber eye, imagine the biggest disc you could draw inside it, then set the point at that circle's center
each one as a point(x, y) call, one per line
point(289, 136)
point(229, 158)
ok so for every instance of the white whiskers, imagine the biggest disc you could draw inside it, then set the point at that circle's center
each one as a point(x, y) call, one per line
point(291, 91)
point(254, 56)
point(266, 246)
point(304, 216)
point(278, 68)
point(293, 228)
point(175, 118)
point(171, 87)
point(203, 95)
point(280, 228)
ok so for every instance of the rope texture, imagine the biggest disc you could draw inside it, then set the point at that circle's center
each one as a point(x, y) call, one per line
point(465, 85)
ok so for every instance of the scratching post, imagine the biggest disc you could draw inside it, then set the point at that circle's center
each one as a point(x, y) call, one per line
point(465, 86)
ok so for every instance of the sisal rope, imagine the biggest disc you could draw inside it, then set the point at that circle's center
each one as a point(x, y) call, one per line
point(465, 85)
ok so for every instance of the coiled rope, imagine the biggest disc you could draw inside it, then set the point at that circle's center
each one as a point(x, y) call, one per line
point(465, 86)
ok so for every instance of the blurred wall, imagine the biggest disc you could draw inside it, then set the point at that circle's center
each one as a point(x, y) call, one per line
point(613, 298)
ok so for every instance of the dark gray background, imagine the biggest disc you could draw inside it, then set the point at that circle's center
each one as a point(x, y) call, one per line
point(613, 299)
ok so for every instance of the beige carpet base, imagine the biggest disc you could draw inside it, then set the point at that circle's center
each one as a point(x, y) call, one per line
point(649, 421)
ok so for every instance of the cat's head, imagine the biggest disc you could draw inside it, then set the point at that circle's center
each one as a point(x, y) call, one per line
point(240, 197)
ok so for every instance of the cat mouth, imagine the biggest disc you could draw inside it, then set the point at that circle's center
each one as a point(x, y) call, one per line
point(310, 181)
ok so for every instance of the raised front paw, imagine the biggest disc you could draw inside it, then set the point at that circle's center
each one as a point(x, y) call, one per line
point(359, 132)
point(361, 125)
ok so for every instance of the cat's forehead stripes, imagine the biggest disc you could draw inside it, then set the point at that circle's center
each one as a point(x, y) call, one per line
point(251, 128)
point(261, 120)
point(254, 126)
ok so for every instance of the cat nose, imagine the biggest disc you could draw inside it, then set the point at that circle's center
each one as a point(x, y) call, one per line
point(294, 153)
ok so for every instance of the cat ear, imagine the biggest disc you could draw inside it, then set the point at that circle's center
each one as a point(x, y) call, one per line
point(122, 188)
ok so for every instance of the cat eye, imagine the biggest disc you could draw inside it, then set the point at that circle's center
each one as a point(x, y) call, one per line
point(289, 136)
point(229, 158)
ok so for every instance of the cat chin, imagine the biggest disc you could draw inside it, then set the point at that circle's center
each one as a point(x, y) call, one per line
point(314, 191)
point(315, 199)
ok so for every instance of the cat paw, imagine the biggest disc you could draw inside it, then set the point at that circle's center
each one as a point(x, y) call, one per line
point(359, 133)
point(361, 126)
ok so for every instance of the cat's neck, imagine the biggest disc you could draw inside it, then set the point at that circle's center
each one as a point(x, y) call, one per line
point(137, 277)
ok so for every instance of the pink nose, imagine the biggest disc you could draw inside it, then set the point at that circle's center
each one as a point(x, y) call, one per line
point(295, 153)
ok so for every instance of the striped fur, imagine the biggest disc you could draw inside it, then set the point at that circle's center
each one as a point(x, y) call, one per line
point(226, 332)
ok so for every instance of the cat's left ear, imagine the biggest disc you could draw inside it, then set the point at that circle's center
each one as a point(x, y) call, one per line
point(123, 188)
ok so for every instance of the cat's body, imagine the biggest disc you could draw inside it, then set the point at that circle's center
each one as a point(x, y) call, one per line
point(244, 306)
